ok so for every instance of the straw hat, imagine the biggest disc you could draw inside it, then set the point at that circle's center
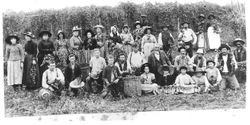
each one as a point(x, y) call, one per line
point(99, 26)
point(238, 40)
point(224, 46)
point(76, 84)
point(137, 23)
point(29, 34)
point(200, 51)
point(202, 16)
point(76, 28)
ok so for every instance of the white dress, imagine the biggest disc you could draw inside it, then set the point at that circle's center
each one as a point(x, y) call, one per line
point(213, 38)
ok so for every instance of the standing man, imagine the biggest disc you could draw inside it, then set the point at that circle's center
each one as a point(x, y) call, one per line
point(201, 32)
point(226, 63)
point(188, 37)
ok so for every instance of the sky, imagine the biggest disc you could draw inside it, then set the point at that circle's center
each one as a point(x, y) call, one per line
point(31, 5)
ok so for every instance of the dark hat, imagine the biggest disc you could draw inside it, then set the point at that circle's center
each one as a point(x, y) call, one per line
point(179, 49)
point(137, 23)
point(29, 34)
point(147, 28)
point(201, 16)
point(183, 67)
point(165, 26)
point(165, 67)
point(224, 46)
point(76, 28)
point(45, 32)
point(238, 40)
point(89, 31)
point(125, 26)
point(143, 67)
point(211, 16)
point(7, 40)
point(210, 61)
point(185, 22)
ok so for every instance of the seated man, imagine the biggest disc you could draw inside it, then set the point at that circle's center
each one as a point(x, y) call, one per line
point(135, 60)
point(213, 75)
point(52, 80)
point(94, 80)
point(112, 80)
point(198, 60)
point(183, 60)
point(72, 72)
point(122, 65)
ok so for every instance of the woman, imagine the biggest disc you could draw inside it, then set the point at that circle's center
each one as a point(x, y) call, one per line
point(127, 40)
point(148, 42)
point(101, 39)
point(76, 45)
point(62, 47)
point(45, 47)
point(137, 33)
point(89, 44)
point(213, 33)
point(14, 57)
point(31, 77)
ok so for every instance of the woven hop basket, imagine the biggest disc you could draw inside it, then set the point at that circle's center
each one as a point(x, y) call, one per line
point(132, 86)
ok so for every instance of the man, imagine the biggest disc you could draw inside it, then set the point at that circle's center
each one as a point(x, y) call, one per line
point(112, 80)
point(198, 60)
point(135, 60)
point(187, 36)
point(226, 63)
point(94, 80)
point(166, 40)
point(127, 39)
point(201, 32)
point(138, 33)
point(183, 60)
point(240, 56)
point(156, 60)
point(53, 79)
point(122, 65)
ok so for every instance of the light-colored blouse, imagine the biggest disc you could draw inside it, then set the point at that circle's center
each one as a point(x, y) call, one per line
point(14, 52)
point(184, 80)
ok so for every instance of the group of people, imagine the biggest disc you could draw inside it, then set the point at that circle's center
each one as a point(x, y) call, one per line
point(56, 66)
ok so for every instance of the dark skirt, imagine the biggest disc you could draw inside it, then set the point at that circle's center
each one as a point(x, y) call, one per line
point(31, 77)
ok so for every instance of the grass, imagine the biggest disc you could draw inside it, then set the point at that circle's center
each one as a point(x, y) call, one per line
point(26, 103)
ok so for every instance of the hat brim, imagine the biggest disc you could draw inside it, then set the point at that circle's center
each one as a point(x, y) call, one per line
point(148, 28)
point(211, 62)
point(75, 84)
point(236, 41)
point(224, 46)
point(89, 31)
point(137, 24)
point(211, 16)
point(7, 40)
point(30, 35)
point(45, 32)
point(200, 72)
point(99, 26)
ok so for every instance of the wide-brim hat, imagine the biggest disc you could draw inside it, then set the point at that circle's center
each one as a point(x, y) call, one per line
point(29, 34)
point(60, 31)
point(45, 32)
point(7, 40)
point(185, 22)
point(201, 16)
point(165, 26)
point(147, 28)
point(211, 16)
point(238, 40)
point(200, 51)
point(94, 75)
point(89, 31)
point(211, 61)
point(76, 84)
point(143, 15)
point(224, 46)
point(125, 26)
point(99, 26)
point(145, 65)
point(137, 23)
point(76, 28)
point(199, 70)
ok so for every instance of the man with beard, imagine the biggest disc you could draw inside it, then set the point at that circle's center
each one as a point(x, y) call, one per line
point(156, 60)
point(226, 63)
point(122, 65)
point(198, 60)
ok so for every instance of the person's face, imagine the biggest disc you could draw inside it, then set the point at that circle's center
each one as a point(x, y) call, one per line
point(138, 26)
point(199, 54)
point(136, 49)
point(183, 52)
point(185, 26)
point(165, 73)
point(72, 59)
point(76, 33)
point(45, 37)
point(165, 29)
point(61, 36)
point(27, 38)
point(183, 71)
point(111, 61)
point(224, 50)
point(13, 40)
point(125, 29)
point(211, 65)
point(157, 48)
point(146, 70)
point(114, 30)
point(98, 30)
point(97, 53)
point(238, 44)
point(198, 74)
point(89, 35)
point(148, 31)
point(52, 66)
point(122, 58)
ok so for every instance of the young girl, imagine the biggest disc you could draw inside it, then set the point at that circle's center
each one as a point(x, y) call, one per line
point(213, 75)
point(14, 56)
point(148, 81)
point(201, 80)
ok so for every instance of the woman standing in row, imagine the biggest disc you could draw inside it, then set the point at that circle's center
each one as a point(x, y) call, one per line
point(148, 42)
point(89, 44)
point(62, 47)
point(14, 56)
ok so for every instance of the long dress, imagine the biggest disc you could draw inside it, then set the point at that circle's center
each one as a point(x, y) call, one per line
point(14, 57)
point(31, 77)
point(213, 37)
point(62, 52)
point(76, 47)
point(148, 43)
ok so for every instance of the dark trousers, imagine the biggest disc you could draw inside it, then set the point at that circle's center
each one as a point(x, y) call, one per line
point(117, 89)
point(94, 85)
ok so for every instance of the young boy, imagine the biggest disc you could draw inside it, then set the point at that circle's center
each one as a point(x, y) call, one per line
point(111, 78)
point(94, 80)
point(201, 80)
point(184, 83)
point(213, 75)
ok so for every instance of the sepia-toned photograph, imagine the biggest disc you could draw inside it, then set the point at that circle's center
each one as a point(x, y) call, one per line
point(118, 56)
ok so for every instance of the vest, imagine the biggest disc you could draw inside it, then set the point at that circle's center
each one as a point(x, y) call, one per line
point(166, 38)
point(196, 59)
point(229, 60)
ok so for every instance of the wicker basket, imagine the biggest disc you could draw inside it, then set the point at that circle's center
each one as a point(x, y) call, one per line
point(132, 86)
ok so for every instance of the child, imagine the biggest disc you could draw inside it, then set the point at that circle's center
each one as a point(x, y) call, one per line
point(14, 57)
point(148, 81)
point(201, 80)
point(184, 83)
point(111, 77)
point(213, 75)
